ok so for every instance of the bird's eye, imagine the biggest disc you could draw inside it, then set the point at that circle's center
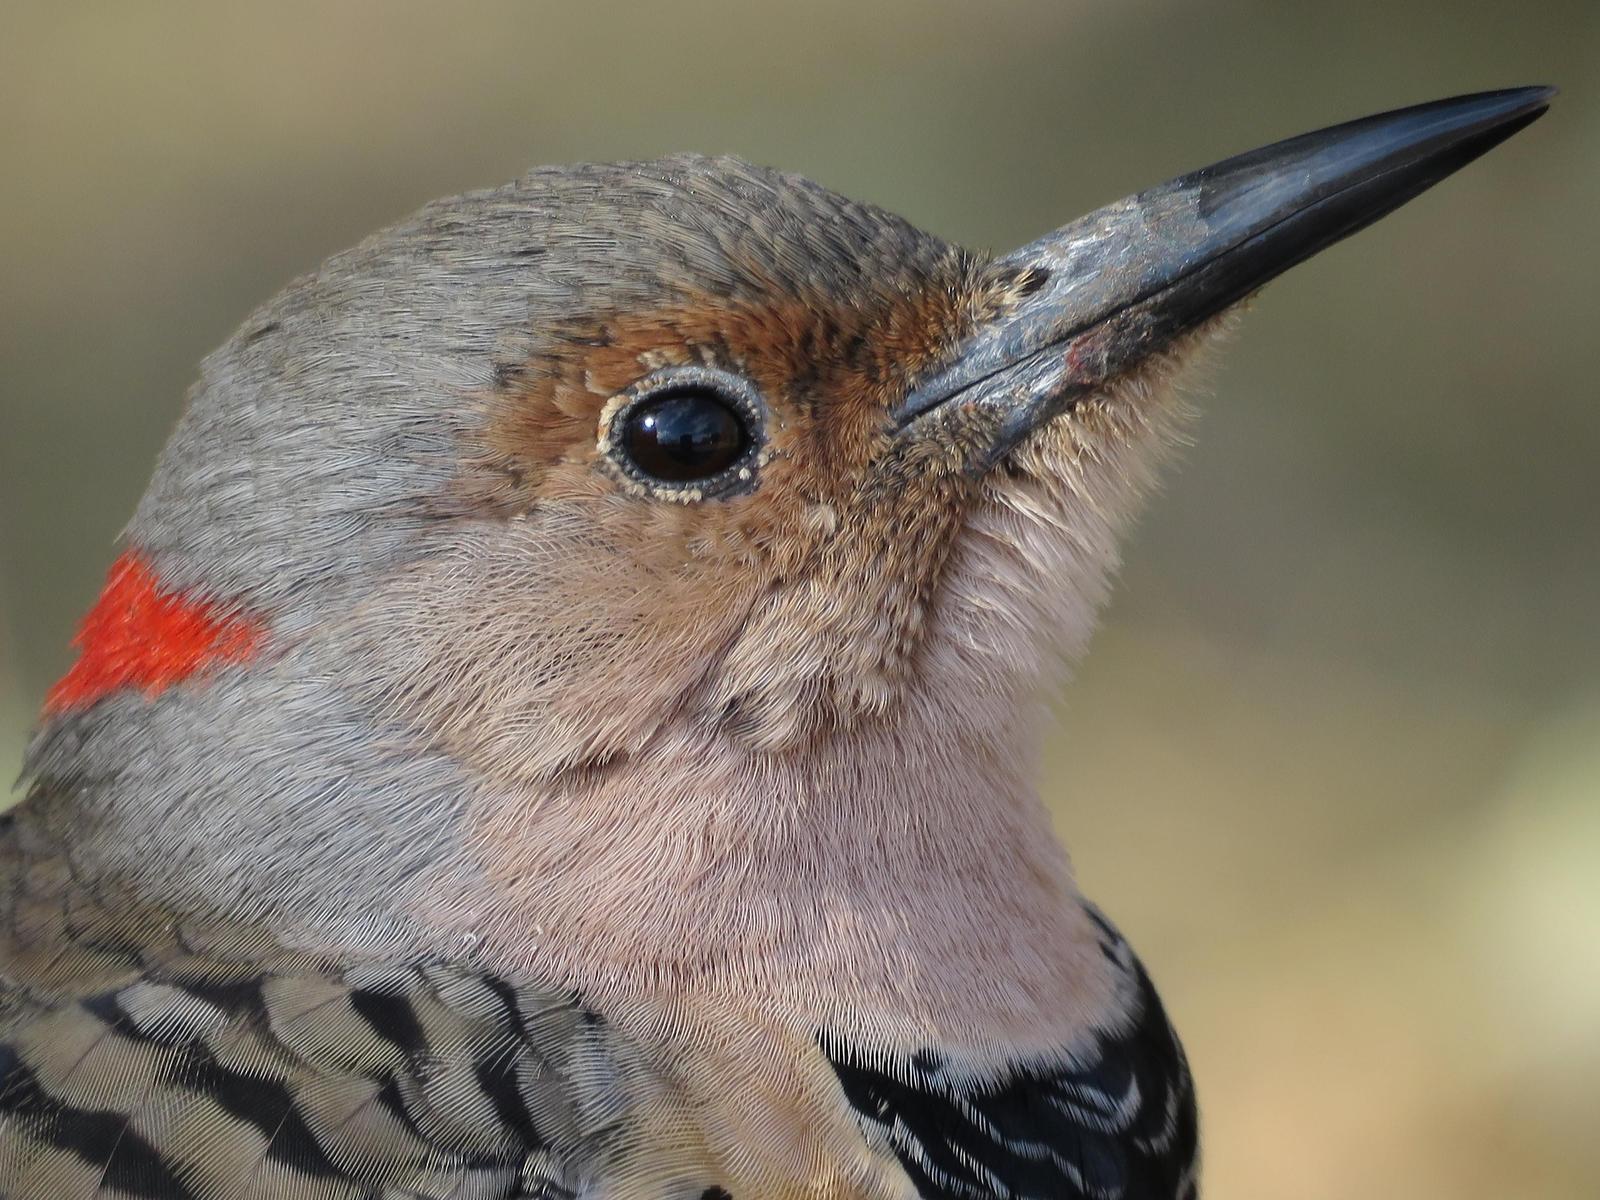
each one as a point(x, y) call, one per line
point(684, 437)
point(687, 432)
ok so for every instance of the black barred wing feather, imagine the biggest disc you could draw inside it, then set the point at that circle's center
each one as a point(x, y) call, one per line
point(1114, 1122)
point(141, 1059)
point(308, 1086)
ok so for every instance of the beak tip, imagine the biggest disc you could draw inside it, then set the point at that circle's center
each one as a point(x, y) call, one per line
point(1512, 108)
point(1538, 94)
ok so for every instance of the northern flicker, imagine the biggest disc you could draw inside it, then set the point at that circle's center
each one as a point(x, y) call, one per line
point(563, 720)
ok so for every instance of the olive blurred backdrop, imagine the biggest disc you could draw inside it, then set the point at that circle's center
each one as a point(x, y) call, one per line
point(1334, 761)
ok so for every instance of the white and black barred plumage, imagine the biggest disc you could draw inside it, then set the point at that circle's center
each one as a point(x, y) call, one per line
point(143, 1055)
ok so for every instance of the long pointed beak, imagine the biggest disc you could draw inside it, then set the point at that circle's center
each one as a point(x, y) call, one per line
point(1096, 297)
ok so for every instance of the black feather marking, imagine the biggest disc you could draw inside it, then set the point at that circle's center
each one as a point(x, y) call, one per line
point(264, 1103)
point(1113, 1122)
point(508, 997)
point(10, 1075)
point(128, 1163)
point(393, 1102)
point(499, 1084)
point(237, 997)
point(136, 1168)
point(391, 1016)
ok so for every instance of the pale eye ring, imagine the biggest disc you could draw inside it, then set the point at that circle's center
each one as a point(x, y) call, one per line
point(687, 433)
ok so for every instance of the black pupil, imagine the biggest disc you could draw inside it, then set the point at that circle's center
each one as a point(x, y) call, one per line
point(684, 437)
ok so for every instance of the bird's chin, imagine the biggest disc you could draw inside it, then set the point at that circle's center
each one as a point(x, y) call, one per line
point(1144, 411)
point(1035, 559)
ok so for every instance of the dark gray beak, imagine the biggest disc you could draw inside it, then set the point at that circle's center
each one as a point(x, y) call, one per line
point(1098, 296)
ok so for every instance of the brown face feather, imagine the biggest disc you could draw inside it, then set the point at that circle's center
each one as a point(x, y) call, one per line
point(802, 598)
point(829, 372)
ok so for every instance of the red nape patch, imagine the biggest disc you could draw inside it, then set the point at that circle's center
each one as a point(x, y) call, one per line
point(140, 635)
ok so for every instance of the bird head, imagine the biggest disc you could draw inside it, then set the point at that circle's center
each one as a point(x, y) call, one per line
point(678, 517)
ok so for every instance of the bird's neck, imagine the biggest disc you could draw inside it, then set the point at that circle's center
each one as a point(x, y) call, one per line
point(907, 874)
point(908, 871)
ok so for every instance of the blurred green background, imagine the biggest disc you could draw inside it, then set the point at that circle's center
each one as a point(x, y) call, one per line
point(1334, 762)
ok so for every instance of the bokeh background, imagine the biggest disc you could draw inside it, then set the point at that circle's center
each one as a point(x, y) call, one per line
point(1334, 762)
